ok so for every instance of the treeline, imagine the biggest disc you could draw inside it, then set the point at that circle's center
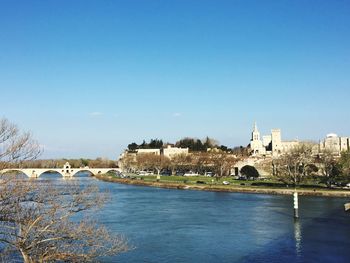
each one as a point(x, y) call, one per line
point(153, 144)
point(297, 166)
point(75, 163)
point(219, 163)
point(196, 145)
point(193, 144)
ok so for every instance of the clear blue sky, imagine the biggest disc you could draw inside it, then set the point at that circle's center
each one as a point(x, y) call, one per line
point(89, 77)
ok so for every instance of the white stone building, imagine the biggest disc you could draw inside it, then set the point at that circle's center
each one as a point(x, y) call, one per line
point(171, 151)
point(269, 144)
point(335, 143)
point(256, 144)
point(153, 151)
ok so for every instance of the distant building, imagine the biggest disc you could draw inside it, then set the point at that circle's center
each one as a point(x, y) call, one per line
point(335, 143)
point(269, 144)
point(171, 151)
point(256, 144)
point(152, 151)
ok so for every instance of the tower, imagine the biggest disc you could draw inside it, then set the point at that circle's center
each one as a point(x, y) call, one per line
point(256, 144)
point(255, 133)
point(276, 142)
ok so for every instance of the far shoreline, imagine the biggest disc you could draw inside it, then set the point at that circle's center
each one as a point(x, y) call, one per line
point(229, 189)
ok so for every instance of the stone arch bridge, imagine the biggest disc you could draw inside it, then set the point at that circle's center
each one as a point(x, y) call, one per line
point(251, 162)
point(66, 171)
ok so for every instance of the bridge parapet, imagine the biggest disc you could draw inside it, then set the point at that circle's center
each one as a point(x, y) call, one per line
point(66, 171)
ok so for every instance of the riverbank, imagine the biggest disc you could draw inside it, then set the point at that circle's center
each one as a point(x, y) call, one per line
point(227, 188)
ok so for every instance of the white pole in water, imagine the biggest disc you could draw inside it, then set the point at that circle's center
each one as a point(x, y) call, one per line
point(296, 206)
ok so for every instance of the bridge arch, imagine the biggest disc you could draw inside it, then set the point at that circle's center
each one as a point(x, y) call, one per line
point(83, 170)
point(66, 171)
point(97, 171)
point(117, 170)
point(18, 170)
point(57, 171)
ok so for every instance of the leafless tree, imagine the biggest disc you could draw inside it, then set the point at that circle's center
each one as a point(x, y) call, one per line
point(38, 220)
point(200, 162)
point(181, 162)
point(102, 162)
point(15, 146)
point(294, 166)
point(143, 161)
point(152, 161)
point(222, 163)
point(160, 162)
point(128, 162)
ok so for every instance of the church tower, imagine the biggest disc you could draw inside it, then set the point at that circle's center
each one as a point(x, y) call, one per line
point(256, 144)
point(255, 133)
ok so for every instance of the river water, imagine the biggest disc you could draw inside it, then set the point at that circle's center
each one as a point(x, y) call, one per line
point(196, 226)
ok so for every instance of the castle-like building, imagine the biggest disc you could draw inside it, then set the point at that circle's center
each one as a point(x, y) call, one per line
point(335, 144)
point(269, 144)
point(272, 145)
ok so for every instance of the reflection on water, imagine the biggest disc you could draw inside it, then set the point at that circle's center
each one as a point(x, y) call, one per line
point(297, 237)
point(55, 176)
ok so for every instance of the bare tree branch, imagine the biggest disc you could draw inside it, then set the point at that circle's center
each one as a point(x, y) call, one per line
point(37, 218)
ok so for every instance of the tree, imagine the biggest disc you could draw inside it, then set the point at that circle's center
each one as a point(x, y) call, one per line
point(144, 145)
point(344, 163)
point(224, 148)
point(152, 161)
point(221, 163)
point(294, 166)
point(194, 145)
point(181, 162)
point(160, 162)
point(155, 144)
point(249, 171)
point(84, 162)
point(200, 162)
point(133, 147)
point(328, 166)
point(38, 220)
point(241, 151)
point(143, 161)
point(16, 146)
point(210, 143)
point(102, 162)
point(129, 162)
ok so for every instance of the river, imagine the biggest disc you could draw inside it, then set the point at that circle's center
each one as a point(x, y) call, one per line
point(196, 226)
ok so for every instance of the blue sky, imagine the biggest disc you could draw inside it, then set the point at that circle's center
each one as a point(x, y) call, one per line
point(89, 77)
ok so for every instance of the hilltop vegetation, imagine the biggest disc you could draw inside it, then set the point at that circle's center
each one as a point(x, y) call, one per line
point(193, 144)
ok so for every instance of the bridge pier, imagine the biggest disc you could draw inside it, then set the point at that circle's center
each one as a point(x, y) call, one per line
point(67, 170)
point(67, 175)
point(33, 175)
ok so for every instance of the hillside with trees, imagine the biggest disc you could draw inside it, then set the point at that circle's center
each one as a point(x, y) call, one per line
point(193, 144)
